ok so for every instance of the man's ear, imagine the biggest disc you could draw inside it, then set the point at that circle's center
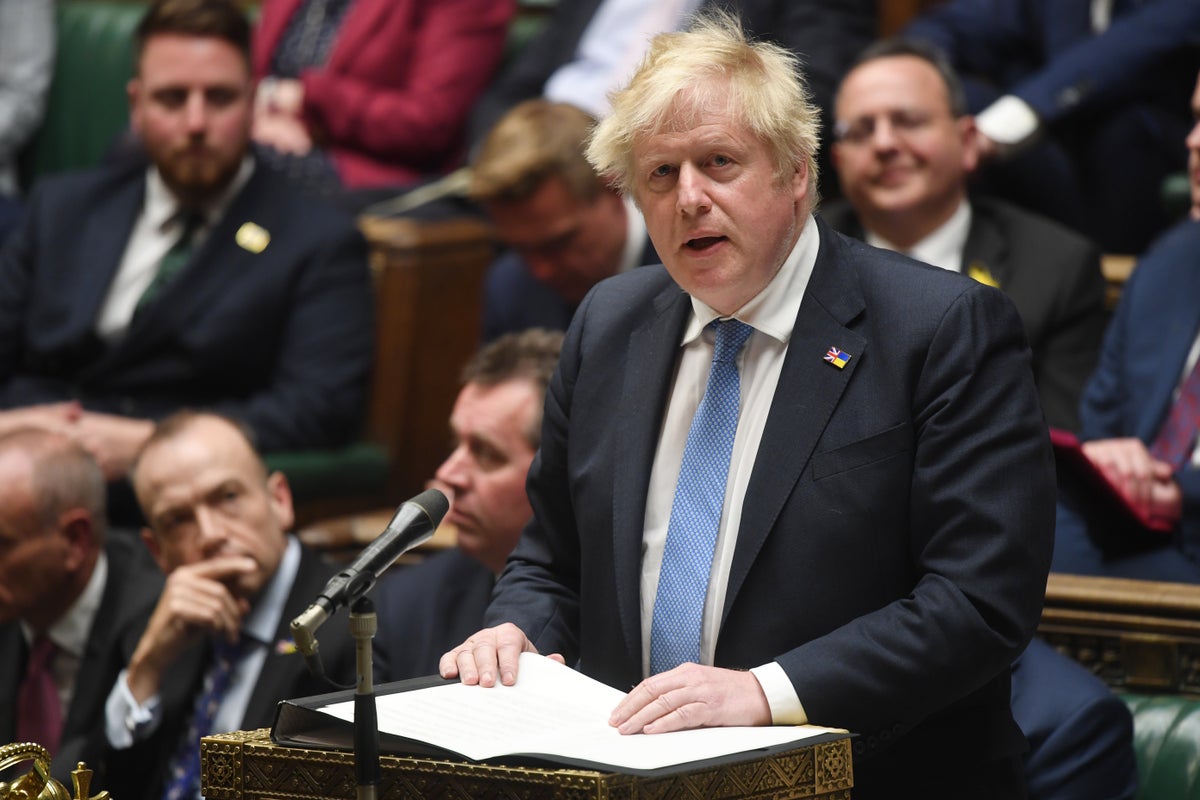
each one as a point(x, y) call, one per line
point(151, 542)
point(280, 496)
point(133, 95)
point(79, 530)
point(968, 133)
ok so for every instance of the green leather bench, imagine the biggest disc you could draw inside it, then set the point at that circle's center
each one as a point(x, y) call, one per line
point(1166, 732)
point(1142, 638)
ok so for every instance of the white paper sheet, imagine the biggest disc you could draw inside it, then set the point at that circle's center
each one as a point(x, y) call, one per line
point(552, 710)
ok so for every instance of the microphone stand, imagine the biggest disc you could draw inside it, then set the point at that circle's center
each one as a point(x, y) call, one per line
point(363, 624)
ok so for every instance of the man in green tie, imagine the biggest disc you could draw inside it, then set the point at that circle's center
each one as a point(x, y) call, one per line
point(187, 273)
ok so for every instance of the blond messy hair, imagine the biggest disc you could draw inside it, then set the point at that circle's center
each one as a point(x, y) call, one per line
point(710, 65)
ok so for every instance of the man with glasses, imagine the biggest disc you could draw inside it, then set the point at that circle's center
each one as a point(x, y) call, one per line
point(905, 150)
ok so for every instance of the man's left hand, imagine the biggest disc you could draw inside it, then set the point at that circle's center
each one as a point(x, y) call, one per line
point(112, 440)
point(692, 696)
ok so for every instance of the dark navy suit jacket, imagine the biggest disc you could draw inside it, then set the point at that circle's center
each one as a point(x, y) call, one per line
point(426, 609)
point(281, 338)
point(896, 532)
point(1046, 53)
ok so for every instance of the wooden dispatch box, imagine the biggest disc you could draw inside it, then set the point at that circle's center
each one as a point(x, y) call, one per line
point(246, 765)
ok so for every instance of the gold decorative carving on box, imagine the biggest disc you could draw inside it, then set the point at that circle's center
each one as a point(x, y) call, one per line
point(246, 765)
point(37, 783)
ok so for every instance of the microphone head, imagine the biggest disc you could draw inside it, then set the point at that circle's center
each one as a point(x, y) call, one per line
point(433, 503)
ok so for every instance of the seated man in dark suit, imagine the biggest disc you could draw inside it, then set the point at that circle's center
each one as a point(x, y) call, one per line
point(216, 653)
point(1141, 416)
point(904, 150)
point(193, 276)
point(1080, 733)
point(70, 598)
point(497, 424)
point(565, 228)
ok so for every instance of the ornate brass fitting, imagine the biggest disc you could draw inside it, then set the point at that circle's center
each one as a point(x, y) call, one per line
point(37, 783)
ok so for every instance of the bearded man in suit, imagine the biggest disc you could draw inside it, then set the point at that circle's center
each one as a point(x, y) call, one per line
point(188, 274)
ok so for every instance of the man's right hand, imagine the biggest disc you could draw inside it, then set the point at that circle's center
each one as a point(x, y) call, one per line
point(487, 653)
point(195, 601)
point(1143, 479)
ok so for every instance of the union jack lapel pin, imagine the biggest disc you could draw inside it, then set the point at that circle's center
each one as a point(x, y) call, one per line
point(837, 357)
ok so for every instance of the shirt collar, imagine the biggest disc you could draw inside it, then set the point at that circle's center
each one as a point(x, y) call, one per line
point(941, 248)
point(263, 620)
point(773, 310)
point(70, 632)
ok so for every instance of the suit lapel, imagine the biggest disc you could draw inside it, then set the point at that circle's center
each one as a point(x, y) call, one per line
point(649, 370)
point(808, 392)
point(219, 261)
point(103, 238)
point(985, 250)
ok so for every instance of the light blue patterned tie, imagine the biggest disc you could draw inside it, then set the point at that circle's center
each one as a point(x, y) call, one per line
point(696, 511)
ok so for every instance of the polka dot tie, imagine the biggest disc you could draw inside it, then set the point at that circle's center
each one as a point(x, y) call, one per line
point(696, 511)
point(183, 781)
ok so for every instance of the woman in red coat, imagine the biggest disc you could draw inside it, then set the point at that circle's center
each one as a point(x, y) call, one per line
point(373, 92)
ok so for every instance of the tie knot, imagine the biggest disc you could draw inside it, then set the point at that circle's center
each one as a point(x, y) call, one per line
point(225, 651)
point(731, 335)
point(42, 652)
point(190, 220)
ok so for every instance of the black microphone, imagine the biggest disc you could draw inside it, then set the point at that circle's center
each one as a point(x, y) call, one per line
point(413, 523)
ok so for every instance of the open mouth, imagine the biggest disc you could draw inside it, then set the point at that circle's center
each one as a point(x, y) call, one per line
point(703, 243)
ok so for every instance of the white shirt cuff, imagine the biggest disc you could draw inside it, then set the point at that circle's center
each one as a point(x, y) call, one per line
point(1009, 121)
point(127, 722)
point(786, 708)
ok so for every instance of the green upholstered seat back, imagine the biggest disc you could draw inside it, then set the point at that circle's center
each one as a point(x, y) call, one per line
point(1166, 732)
point(87, 108)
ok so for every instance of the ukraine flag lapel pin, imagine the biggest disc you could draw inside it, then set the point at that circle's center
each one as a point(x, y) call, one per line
point(837, 357)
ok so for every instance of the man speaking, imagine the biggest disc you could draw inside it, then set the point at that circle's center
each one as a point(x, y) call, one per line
point(785, 477)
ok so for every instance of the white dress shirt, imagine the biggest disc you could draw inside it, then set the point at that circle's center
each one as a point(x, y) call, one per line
point(941, 248)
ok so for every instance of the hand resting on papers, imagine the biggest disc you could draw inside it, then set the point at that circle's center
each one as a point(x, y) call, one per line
point(491, 650)
point(689, 696)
